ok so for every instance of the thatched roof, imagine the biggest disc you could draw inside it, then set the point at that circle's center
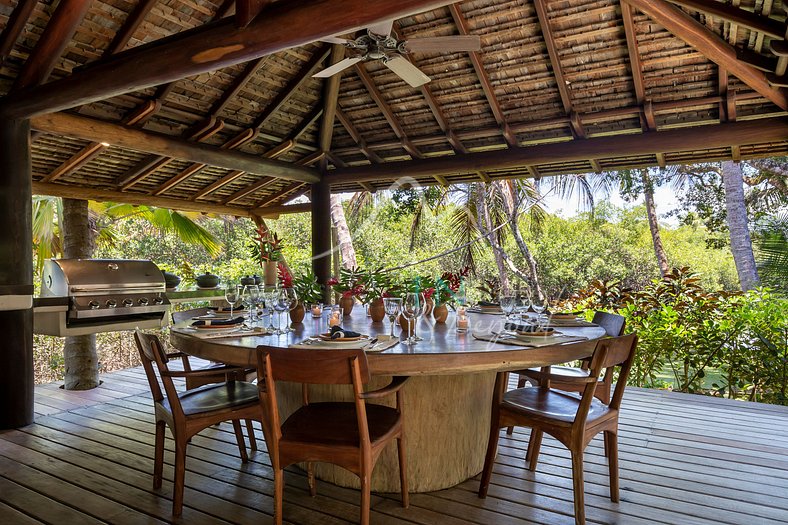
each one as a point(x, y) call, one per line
point(559, 86)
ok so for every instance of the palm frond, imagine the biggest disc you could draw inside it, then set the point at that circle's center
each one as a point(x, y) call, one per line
point(192, 233)
point(464, 229)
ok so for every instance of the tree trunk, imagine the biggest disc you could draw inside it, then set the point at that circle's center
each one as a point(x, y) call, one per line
point(511, 204)
point(79, 352)
point(741, 244)
point(485, 224)
point(346, 249)
point(653, 224)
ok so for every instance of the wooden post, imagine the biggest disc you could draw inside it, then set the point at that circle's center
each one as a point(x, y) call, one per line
point(321, 234)
point(16, 275)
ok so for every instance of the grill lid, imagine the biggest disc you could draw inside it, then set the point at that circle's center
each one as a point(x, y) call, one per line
point(81, 277)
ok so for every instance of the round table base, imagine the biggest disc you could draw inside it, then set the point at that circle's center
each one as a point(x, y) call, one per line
point(447, 424)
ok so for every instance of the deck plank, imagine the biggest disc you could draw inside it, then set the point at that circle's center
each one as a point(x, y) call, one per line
point(686, 459)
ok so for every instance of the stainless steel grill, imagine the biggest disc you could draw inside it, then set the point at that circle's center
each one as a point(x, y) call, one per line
point(83, 296)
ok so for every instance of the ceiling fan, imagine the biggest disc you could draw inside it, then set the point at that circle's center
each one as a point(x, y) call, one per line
point(379, 44)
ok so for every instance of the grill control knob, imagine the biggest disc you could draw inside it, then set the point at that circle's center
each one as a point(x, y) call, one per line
point(128, 302)
point(94, 305)
point(143, 301)
point(158, 300)
point(111, 303)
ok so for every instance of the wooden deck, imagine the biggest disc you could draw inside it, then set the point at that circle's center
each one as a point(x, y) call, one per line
point(684, 460)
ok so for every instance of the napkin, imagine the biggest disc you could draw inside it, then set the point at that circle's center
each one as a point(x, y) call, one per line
point(219, 322)
point(488, 304)
point(337, 332)
point(521, 327)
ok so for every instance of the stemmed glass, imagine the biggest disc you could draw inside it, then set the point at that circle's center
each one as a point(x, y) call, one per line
point(232, 297)
point(413, 308)
point(269, 296)
point(292, 302)
point(392, 305)
point(281, 304)
point(248, 294)
point(507, 305)
point(539, 305)
point(254, 297)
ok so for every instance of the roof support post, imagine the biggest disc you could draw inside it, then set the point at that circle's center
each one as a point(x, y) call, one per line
point(16, 275)
point(321, 234)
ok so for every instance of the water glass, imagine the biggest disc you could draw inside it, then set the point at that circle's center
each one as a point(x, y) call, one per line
point(507, 305)
point(232, 297)
point(335, 317)
point(392, 305)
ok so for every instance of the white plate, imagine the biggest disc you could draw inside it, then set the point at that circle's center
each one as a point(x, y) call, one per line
point(341, 344)
point(218, 329)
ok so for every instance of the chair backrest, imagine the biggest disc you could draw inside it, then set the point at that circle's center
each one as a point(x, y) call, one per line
point(610, 353)
point(185, 315)
point(316, 366)
point(152, 352)
point(613, 324)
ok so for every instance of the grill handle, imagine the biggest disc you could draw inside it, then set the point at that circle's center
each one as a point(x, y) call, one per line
point(116, 289)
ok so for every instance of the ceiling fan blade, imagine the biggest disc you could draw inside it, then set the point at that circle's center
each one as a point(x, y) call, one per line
point(407, 71)
point(381, 28)
point(445, 43)
point(339, 66)
point(335, 40)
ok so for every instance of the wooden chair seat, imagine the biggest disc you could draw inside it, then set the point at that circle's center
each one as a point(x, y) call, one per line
point(217, 396)
point(552, 405)
point(336, 424)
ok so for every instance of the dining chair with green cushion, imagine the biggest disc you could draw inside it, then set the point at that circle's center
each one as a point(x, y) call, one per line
point(187, 413)
point(349, 434)
point(573, 420)
point(219, 375)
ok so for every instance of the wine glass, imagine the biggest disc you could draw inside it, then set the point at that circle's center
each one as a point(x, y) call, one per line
point(413, 307)
point(281, 304)
point(291, 298)
point(254, 296)
point(539, 305)
point(392, 305)
point(269, 296)
point(232, 297)
point(507, 305)
point(247, 300)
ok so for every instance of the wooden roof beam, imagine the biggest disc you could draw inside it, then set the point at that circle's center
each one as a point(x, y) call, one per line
point(14, 27)
point(275, 211)
point(96, 130)
point(129, 27)
point(356, 136)
point(53, 41)
point(247, 10)
point(269, 199)
point(248, 190)
point(238, 84)
point(635, 63)
point(695, 138)
point(210, 47)
point(101, 195)
point(330, 102)
point(710, 45)
point(484, 79)
point(736, 15)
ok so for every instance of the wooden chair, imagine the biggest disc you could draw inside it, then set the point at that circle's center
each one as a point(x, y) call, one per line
point(349, 434)
point(219, 375)
point(189, 412)
point(572, 420)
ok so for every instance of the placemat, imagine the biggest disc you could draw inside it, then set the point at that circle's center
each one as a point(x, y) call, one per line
point(243, 332)
point(571, 323)
point(480, 311)
point(535, 343)
point(384, 342)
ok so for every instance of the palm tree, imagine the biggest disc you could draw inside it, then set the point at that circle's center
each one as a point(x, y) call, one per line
point(741, 244)
point(72, 228)
point(772, 252)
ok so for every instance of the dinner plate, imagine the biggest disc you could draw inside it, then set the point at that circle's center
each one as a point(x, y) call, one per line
point(216, 329)
point(341, 343)
point(327, 337)
point(564, 316)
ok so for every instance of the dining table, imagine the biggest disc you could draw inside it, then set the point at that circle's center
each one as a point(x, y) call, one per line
point(447, 399)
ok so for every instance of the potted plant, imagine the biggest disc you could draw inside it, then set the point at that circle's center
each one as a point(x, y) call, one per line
point(308, 290)
point(349, 285)
point(267, 251)
point(446, 288)
point(375, 282)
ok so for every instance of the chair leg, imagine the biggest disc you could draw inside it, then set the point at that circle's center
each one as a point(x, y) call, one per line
point(520, 384)
point(310, 478)
point(489, 458)
point(534, 444)
point(612, 461)
point(577, 482)
point(366, 495)
point(179, 477)
point(250, 431)
point(403, 472)
point(239, 438)
point(607, 444)
point(158, 460)
point(279, 481)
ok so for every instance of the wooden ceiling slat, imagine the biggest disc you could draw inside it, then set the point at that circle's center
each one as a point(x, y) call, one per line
point(768, 26)
point(238, 84)
point(214, 46)
point(356, 136)
point(15, 26)
point(78, 160)
point(53, 41)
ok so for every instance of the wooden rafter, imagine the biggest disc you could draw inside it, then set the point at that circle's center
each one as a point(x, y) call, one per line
point(246, 10)
point(736, 15)
point(214, 46)
point(129, 27)
point(275, 197)
point(484, 78)
point(635, 63)
point(275, 211)
point(710, 45)
point(15, 26)
point(356, 136)
point(330, 102)
point(238, 84)
point(53, 41)
point(695, 138)
point(95, 130)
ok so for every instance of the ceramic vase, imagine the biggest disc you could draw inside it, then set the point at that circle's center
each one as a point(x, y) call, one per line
point(270, 273)
point(440, 313)
point(347, 305)
point(297, 314)
point(377, 311)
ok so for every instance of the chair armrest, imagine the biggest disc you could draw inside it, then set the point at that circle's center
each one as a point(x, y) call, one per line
point(557, 378)
point(396, 383)
point(204, 372)
point(173, 355)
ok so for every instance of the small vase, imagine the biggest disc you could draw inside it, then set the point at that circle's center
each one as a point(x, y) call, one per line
point(377, 311)
point(429, 304)
point(347, 305)
point(297, 314)
point(440, 313)
point(270, 273)
point(406, 324)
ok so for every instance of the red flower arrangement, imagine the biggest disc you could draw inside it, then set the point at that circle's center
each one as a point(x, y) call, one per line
point(285, 277)
point(455, 279)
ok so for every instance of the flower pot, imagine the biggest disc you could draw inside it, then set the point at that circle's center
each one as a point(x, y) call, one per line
point(297, 313)
point(376, 310)
point(440, 313)
point(347, 304)
point(207, 280)
point(270, 273)
point(429, 304)
point(406, 324)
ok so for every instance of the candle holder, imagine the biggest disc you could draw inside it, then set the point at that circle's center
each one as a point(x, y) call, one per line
point(335, 318)
point(462, 320)
point(317, 310)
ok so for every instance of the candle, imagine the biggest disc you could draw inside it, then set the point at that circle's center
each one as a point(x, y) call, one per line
point(317, 310)
point(334, 320)
point(462, 320)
